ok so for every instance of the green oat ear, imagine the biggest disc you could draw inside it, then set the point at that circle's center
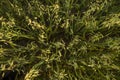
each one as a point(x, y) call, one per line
point(60, 39)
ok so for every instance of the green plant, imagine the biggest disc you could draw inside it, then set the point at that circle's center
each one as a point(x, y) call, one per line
point(60, 39)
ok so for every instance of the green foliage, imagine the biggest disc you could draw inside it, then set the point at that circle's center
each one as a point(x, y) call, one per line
point(61, 39)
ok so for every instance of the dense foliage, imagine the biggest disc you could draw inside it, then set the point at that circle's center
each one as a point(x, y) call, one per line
point(60, 39)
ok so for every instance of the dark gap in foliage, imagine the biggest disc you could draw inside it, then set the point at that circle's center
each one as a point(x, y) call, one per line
point(48, 2)
point(10, 74)
point(47, 22)
point(22, 41)
point(5, 45)
point(60, 34)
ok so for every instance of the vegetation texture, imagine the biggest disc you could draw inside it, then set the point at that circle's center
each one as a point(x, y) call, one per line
point(60, 39)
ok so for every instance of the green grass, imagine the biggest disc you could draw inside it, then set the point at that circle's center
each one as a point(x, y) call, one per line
point(60, 39)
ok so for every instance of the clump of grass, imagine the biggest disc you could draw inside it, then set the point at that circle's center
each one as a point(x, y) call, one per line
point(60, 40)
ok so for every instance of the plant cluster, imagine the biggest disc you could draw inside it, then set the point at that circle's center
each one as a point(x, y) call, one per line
point(60, 39)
